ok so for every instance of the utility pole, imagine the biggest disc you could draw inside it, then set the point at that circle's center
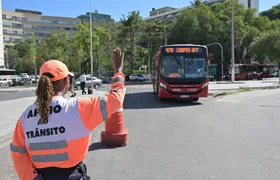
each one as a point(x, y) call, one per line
point(99, 68)
point(222, 57)
point(149, 57)
point(35, 64)
point(232, 42)
point(91, 56)
point(7, 58)
point(165, 38)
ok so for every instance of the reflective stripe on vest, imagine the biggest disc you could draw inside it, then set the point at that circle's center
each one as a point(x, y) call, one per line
point(120, 110)
point(118, 79)
point(50, 157)
point(48, 145)
point(18, 149)
point(103, 108)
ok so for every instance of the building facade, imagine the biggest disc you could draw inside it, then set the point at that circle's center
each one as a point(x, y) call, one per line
point(251, 4)
point(20, 24)
point(96, 17)
point(2, 60)
point(170, 13)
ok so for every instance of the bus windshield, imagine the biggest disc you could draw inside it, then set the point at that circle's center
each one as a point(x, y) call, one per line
point(183, 66)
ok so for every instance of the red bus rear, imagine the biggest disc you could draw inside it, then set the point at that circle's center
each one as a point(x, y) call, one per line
point(252, 71)
point(181, 72)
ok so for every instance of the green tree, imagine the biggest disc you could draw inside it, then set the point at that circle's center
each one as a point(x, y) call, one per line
point(267, 46)
point(273, 13)
point(81, 45)
point(130, 30)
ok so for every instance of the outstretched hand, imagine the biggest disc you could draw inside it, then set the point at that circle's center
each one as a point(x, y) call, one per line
point(118, 57)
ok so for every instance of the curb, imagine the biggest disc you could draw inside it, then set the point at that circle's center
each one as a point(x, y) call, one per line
point(17, 90)
point(224, 93)
point(137, 83)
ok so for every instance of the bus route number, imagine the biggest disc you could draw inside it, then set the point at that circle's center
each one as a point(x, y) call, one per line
point(181, 50)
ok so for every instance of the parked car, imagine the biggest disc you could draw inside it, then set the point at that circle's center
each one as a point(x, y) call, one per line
point(18, 81)
point(96, 83)
point(105, 79)
point(274, 75)
point(4, 82)
point(137, 77)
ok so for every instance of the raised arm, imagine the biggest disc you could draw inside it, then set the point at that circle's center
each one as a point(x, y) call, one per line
point(94, 111)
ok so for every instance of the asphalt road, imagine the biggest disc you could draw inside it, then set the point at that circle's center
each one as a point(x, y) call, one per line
point(234, 138)
point(5, 96)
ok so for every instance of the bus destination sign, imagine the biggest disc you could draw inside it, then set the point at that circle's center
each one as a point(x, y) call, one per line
point(169, 50)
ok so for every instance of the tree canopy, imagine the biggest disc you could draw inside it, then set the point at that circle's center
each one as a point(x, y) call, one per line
point(256, 38)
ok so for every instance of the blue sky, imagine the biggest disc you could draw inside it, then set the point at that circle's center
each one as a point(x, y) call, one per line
point(73, 8)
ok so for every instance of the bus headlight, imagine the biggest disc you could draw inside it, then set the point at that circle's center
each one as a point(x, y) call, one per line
point(163, 85)
point(204, 85)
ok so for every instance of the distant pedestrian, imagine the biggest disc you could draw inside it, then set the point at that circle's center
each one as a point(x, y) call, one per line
point(72, 88)
point(83, 79)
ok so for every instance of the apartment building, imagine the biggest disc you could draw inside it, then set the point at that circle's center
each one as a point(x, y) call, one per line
point(170, 13)
point(20, 24)
point(2, 61)
point(96, 17)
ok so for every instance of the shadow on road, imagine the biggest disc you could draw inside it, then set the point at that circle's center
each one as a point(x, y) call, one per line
point(97, 146)
point(147, 100)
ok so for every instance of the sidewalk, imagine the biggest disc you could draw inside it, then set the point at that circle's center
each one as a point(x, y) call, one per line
point(219, 86)
point(213, 86)
point(12, 109)
point(17, 89)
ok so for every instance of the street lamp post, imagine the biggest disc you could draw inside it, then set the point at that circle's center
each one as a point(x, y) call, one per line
point(222, 57)
point(149, 57)
point(232, 41)
point(91, 56)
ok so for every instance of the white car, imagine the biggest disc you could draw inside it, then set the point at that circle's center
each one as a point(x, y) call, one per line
point(137, 77)
point(96, 83)
point(4, 82)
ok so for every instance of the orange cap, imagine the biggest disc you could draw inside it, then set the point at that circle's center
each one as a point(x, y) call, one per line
point(56, 68)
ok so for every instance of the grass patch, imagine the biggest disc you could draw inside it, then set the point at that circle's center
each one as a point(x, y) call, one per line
point(245, 89)
point(232, 92)
point(242, 89)
point(30, 85)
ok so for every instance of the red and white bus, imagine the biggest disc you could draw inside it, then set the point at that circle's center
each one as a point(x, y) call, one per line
point(181, 72)
point(252, 71)
point(7, 73)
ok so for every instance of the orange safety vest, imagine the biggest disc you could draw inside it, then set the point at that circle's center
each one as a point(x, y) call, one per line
point(63, 142)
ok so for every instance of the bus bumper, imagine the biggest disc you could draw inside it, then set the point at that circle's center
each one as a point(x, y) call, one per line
point(167, 93)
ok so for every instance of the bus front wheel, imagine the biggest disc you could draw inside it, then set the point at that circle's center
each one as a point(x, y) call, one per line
point(195, 99)
point(158, 96)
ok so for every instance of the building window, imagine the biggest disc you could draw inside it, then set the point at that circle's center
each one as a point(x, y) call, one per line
point(33, 20)
point(4, 16)
point(6, 23)
point(27, 26)
point(28, 33)
point(9, 17)
point(47, 21)
point(16, 25)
